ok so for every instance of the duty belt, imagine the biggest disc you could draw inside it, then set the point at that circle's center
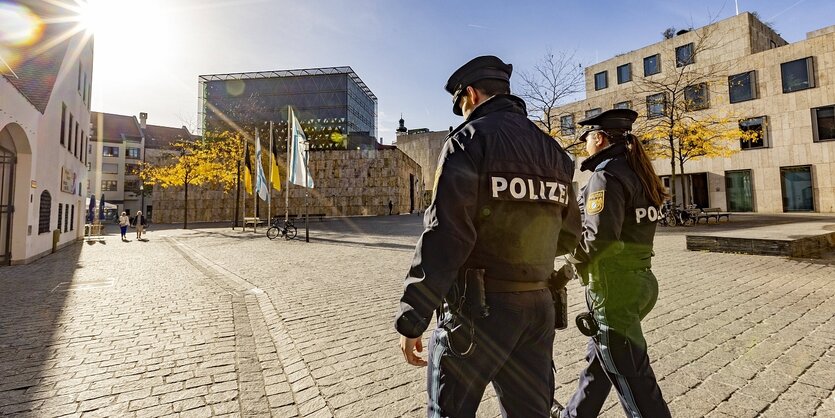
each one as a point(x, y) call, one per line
point(492, 285)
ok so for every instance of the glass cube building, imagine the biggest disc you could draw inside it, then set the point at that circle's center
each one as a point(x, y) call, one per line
point(333, 104)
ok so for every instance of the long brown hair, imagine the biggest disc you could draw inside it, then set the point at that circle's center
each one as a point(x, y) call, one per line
point(640, 162)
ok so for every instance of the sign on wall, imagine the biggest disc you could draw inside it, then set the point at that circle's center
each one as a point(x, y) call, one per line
point(68, 181)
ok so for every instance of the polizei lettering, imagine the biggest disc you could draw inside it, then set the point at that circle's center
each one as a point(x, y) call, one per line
point(528, 189)
point(650, 214)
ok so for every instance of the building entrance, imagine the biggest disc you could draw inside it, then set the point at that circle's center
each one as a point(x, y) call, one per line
point(796, 183)
point(7, 171)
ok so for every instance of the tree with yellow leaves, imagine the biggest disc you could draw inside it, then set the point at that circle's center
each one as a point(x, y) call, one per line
point(210, 161)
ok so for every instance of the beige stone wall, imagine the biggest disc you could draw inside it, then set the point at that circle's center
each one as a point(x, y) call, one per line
point(348, 183)
point(424, 148)
point(789, 115)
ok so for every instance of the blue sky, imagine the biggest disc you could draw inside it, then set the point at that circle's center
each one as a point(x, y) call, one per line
point(150, 52)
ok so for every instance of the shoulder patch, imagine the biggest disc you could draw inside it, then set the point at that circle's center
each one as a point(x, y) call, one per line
point(594, 203)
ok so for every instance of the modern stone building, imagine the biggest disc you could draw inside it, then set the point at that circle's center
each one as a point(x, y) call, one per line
point(423, 146)
point(785, 92)
point(118, 143)
point(45, 85)
point(348, 183)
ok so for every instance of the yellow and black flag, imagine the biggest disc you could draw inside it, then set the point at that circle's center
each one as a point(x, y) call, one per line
point(247, 169)
point(275, 178)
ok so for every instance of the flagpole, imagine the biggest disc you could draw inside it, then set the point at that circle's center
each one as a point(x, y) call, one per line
point(243, 200)
point(255, 194)
point(306, 190)
point(287, 181)
point(270, 187)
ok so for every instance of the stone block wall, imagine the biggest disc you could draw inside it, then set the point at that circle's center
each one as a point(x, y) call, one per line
point(347, 183)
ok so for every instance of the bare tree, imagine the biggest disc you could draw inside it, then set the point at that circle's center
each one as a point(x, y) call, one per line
point(676, 96)
point(551, 82)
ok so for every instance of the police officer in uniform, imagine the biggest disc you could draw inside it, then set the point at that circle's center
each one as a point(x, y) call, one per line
point(502, 210)
point(620, 206)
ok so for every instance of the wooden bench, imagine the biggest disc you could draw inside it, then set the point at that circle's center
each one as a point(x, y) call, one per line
point(254, 221)
point(715, 213)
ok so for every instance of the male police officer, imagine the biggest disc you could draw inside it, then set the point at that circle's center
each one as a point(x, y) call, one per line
point(502, 209)
point(620, 208)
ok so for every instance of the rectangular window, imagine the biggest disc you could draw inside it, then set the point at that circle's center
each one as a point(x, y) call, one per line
point(75, 147)
point(696, 97)
point(63, 122)
point(652, 65)
point(624, 73)
point(69, 131)
point(684, 55)
point(798, 75)
point(796, 185)
point(656, 105)
point(60, 214)
point(742, 87)
point(593, 112)
point(66, 218)
point(756, 127)
point(84, 92)
point(109, 168)
point(131, 169)
point(601, 80)
point(72, 217)
point(823, 123)
point(132, 153)
point(623, 105)
point(738, 191)
point(110, 151)
point(109, 185)
point(567, 125)
point(79, 77)
point(132, 186)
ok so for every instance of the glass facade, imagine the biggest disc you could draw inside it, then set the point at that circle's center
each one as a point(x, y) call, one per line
point(331, 104)
point(796, 184)
point(738, 191)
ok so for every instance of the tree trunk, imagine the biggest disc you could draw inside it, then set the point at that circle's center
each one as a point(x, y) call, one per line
point(672, 169)
point(685, 184)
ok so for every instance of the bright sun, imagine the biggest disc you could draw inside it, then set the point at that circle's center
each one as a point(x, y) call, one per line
point(124, 21)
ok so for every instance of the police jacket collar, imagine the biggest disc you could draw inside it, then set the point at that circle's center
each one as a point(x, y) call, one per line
point(497, 103)
point(591, 163)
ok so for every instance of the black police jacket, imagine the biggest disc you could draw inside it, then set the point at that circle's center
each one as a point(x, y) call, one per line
point(502, 202)
point(618, 219)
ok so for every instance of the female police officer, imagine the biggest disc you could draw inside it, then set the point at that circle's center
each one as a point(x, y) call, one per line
point(620, 206)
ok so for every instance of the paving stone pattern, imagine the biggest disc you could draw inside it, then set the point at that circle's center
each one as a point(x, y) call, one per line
point(214, 322)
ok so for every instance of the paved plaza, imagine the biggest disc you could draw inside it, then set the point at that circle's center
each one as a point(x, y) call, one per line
point(217, 322)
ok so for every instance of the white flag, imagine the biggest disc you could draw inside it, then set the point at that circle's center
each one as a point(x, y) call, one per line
point(299, 173)
point(261, 186)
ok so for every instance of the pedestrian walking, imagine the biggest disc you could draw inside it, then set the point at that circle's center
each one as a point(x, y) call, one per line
point(503, 207)
point(140, 223)
point(620, 205)
point(124, 223)
point(391, 207)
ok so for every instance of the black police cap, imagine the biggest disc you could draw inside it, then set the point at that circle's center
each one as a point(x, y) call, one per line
point(620, 119)
point(479, 68)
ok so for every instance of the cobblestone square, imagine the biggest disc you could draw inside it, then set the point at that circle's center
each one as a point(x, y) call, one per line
point(217, 322)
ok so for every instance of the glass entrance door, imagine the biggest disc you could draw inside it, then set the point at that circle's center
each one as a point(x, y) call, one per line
point(738, 191)
point(796, 183)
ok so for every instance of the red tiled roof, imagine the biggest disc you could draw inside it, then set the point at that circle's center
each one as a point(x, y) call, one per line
point(37, 70)
point(115, 128)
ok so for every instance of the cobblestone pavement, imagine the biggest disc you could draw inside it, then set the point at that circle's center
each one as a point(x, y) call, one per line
point(212, 321)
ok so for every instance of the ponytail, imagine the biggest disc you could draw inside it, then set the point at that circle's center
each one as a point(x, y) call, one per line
point(642, 165)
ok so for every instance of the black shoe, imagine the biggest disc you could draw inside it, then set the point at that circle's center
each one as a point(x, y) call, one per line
point(556, 410)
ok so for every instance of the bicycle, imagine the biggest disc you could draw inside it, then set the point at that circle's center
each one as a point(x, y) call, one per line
point(288, 230)
point(673, 216)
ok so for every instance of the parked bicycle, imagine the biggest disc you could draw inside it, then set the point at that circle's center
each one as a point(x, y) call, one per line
point(675, 216)
point(280, 227)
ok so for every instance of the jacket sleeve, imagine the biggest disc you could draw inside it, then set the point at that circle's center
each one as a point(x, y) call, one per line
point(603, 218)
point(448, 238)
point(571, 226)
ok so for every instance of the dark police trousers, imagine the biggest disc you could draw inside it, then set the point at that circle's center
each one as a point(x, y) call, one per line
point(514, 351)
point(617, 355)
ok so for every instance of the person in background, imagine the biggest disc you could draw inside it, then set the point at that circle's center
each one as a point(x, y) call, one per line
point(140, 224)
point(124, 222)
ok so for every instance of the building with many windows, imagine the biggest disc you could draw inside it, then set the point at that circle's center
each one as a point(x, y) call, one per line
point(784, 92)
point(45, 85)
point(118, 144)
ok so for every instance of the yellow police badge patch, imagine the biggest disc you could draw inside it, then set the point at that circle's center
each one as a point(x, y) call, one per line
point(594, 203)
